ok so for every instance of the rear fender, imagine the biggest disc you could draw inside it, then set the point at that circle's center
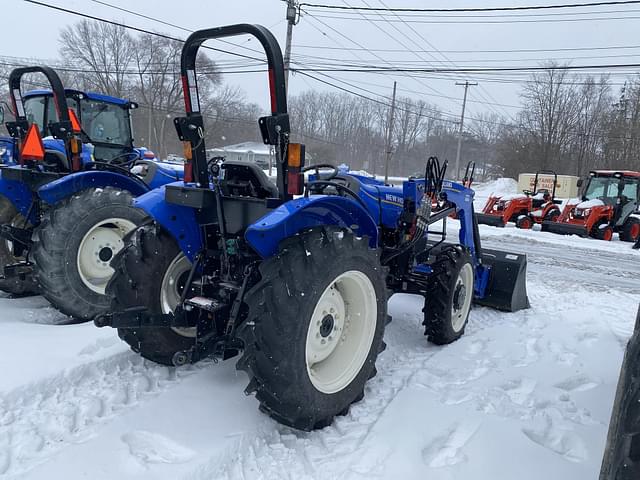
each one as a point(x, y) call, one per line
point(304, 213)
point(179, 221)
point(65, 187)
point(19, 194)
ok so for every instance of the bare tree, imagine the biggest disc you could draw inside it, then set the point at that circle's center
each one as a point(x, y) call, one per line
point(550, 113)
point(104, 51)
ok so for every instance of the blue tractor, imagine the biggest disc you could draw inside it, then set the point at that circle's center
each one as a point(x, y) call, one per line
point(295, 276)
point(65, 196)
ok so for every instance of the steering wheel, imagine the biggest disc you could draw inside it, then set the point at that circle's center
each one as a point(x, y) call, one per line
point(320, 166)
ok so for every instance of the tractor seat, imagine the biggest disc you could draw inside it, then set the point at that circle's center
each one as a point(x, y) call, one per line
point(55, 159)
point(540, 199)
point(246, 179)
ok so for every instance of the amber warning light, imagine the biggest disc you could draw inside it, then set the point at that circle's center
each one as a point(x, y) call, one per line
point(295, 162)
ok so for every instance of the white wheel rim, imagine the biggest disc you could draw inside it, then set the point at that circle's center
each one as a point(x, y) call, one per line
point(341, 331)
point(99, 245)
point(462, 296)
point(170, 290)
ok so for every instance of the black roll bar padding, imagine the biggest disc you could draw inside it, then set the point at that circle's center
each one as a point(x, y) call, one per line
point(555, 181)
point(57, 89)
point(277, 90)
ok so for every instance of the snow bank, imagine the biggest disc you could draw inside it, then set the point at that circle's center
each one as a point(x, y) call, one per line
point(500, 187)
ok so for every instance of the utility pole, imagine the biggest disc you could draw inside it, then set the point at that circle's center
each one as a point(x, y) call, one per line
point(292, 19)
point(466, 84)
point(392, 114)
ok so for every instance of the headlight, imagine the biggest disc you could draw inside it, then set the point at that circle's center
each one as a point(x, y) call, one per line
point(3, 150)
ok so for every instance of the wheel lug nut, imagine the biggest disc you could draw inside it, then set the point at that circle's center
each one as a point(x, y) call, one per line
point(323, 341)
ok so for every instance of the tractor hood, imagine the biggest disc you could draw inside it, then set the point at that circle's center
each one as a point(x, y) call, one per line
point(590, 204)
point(515, 196)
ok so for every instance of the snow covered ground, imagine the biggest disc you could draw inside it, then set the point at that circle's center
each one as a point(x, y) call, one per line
point(525, 395)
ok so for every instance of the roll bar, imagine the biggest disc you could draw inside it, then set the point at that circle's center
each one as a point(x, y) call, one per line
point(61, 129)
point(275, 129)
point(555, 181)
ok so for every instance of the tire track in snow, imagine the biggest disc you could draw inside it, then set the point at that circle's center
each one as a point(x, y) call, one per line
point(276, 452)
point(339, 451)
point(42, 418)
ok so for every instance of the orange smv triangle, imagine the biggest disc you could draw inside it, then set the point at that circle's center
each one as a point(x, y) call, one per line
point(75, 123)
point(32, 148)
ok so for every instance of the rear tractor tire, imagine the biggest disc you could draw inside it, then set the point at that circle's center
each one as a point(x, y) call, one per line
point(75, 244)
point(314, 327)
point(151, 272)
point(630, 230)
point(18, 286)
point(449, 296)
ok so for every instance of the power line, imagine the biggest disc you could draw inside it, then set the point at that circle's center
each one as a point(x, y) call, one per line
point(490, 15)
point(376, 69)
point(169, 24)
point(474, 9)
point(465, 21)
point(422, 38)
point(136, 29)
point(515, 50)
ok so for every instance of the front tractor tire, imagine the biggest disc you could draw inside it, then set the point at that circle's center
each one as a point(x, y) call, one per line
point(602, 231)
point(151, 272)
point(524, 222)
point(75, 244)
point(18, 286)
point(449, 296)
point(314, 327)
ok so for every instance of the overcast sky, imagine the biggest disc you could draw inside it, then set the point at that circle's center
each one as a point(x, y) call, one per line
point(32, 31)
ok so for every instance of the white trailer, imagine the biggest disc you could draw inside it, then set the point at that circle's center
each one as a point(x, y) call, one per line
point(566, 186)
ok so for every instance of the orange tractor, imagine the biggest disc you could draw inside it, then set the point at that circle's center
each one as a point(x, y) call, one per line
point(610, 203)
point(525, 209)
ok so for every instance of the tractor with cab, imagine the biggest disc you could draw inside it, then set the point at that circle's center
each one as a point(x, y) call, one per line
point(610, 203)
point(65, 202)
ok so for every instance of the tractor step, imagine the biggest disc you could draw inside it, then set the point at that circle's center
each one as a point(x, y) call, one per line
point(13, 234)
point(18, 270)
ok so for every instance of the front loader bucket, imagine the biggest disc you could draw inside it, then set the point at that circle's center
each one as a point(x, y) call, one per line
point(507, 287)
point(562, 228)
point(493, 220)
